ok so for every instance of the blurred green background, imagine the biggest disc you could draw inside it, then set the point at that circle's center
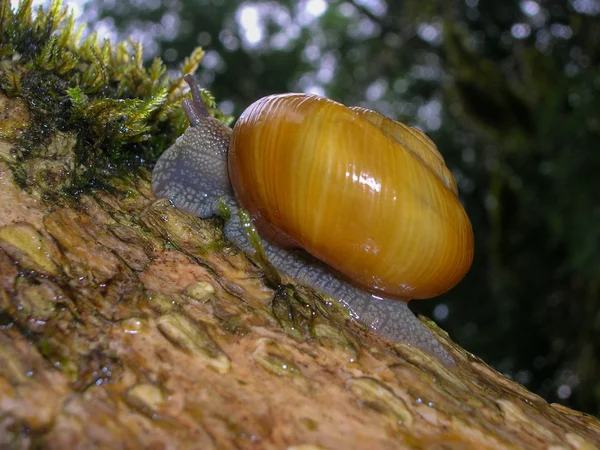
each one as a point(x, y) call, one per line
point(510, 92)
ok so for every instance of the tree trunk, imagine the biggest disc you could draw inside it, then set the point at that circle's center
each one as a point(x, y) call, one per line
point(125, 323)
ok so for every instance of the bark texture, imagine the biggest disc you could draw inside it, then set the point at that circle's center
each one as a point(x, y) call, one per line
point(125, 323)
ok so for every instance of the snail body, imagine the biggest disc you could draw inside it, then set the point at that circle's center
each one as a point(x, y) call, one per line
point(347, 201)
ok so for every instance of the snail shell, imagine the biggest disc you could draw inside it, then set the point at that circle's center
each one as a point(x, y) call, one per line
point(368, 196)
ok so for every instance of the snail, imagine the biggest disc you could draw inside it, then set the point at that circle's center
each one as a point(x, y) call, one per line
point(345, 200)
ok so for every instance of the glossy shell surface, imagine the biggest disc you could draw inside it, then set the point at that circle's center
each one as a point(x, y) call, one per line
point(369, 196)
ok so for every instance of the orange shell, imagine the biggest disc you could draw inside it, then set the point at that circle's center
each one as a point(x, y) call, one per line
point(368, 196)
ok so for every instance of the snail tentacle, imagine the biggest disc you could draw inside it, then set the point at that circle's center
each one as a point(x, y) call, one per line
point(191, 112)
point(195, 110)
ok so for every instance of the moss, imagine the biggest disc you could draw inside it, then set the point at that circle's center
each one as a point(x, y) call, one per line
point(123, 113)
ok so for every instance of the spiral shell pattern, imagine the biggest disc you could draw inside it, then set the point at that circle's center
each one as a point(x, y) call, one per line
point(370, 197)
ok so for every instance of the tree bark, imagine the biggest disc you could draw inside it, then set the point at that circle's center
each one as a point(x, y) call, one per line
point(125, 323)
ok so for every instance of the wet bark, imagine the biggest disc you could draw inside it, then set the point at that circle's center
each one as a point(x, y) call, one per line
point(125, 323)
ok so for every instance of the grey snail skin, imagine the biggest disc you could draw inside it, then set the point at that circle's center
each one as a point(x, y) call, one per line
point(346, 201)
